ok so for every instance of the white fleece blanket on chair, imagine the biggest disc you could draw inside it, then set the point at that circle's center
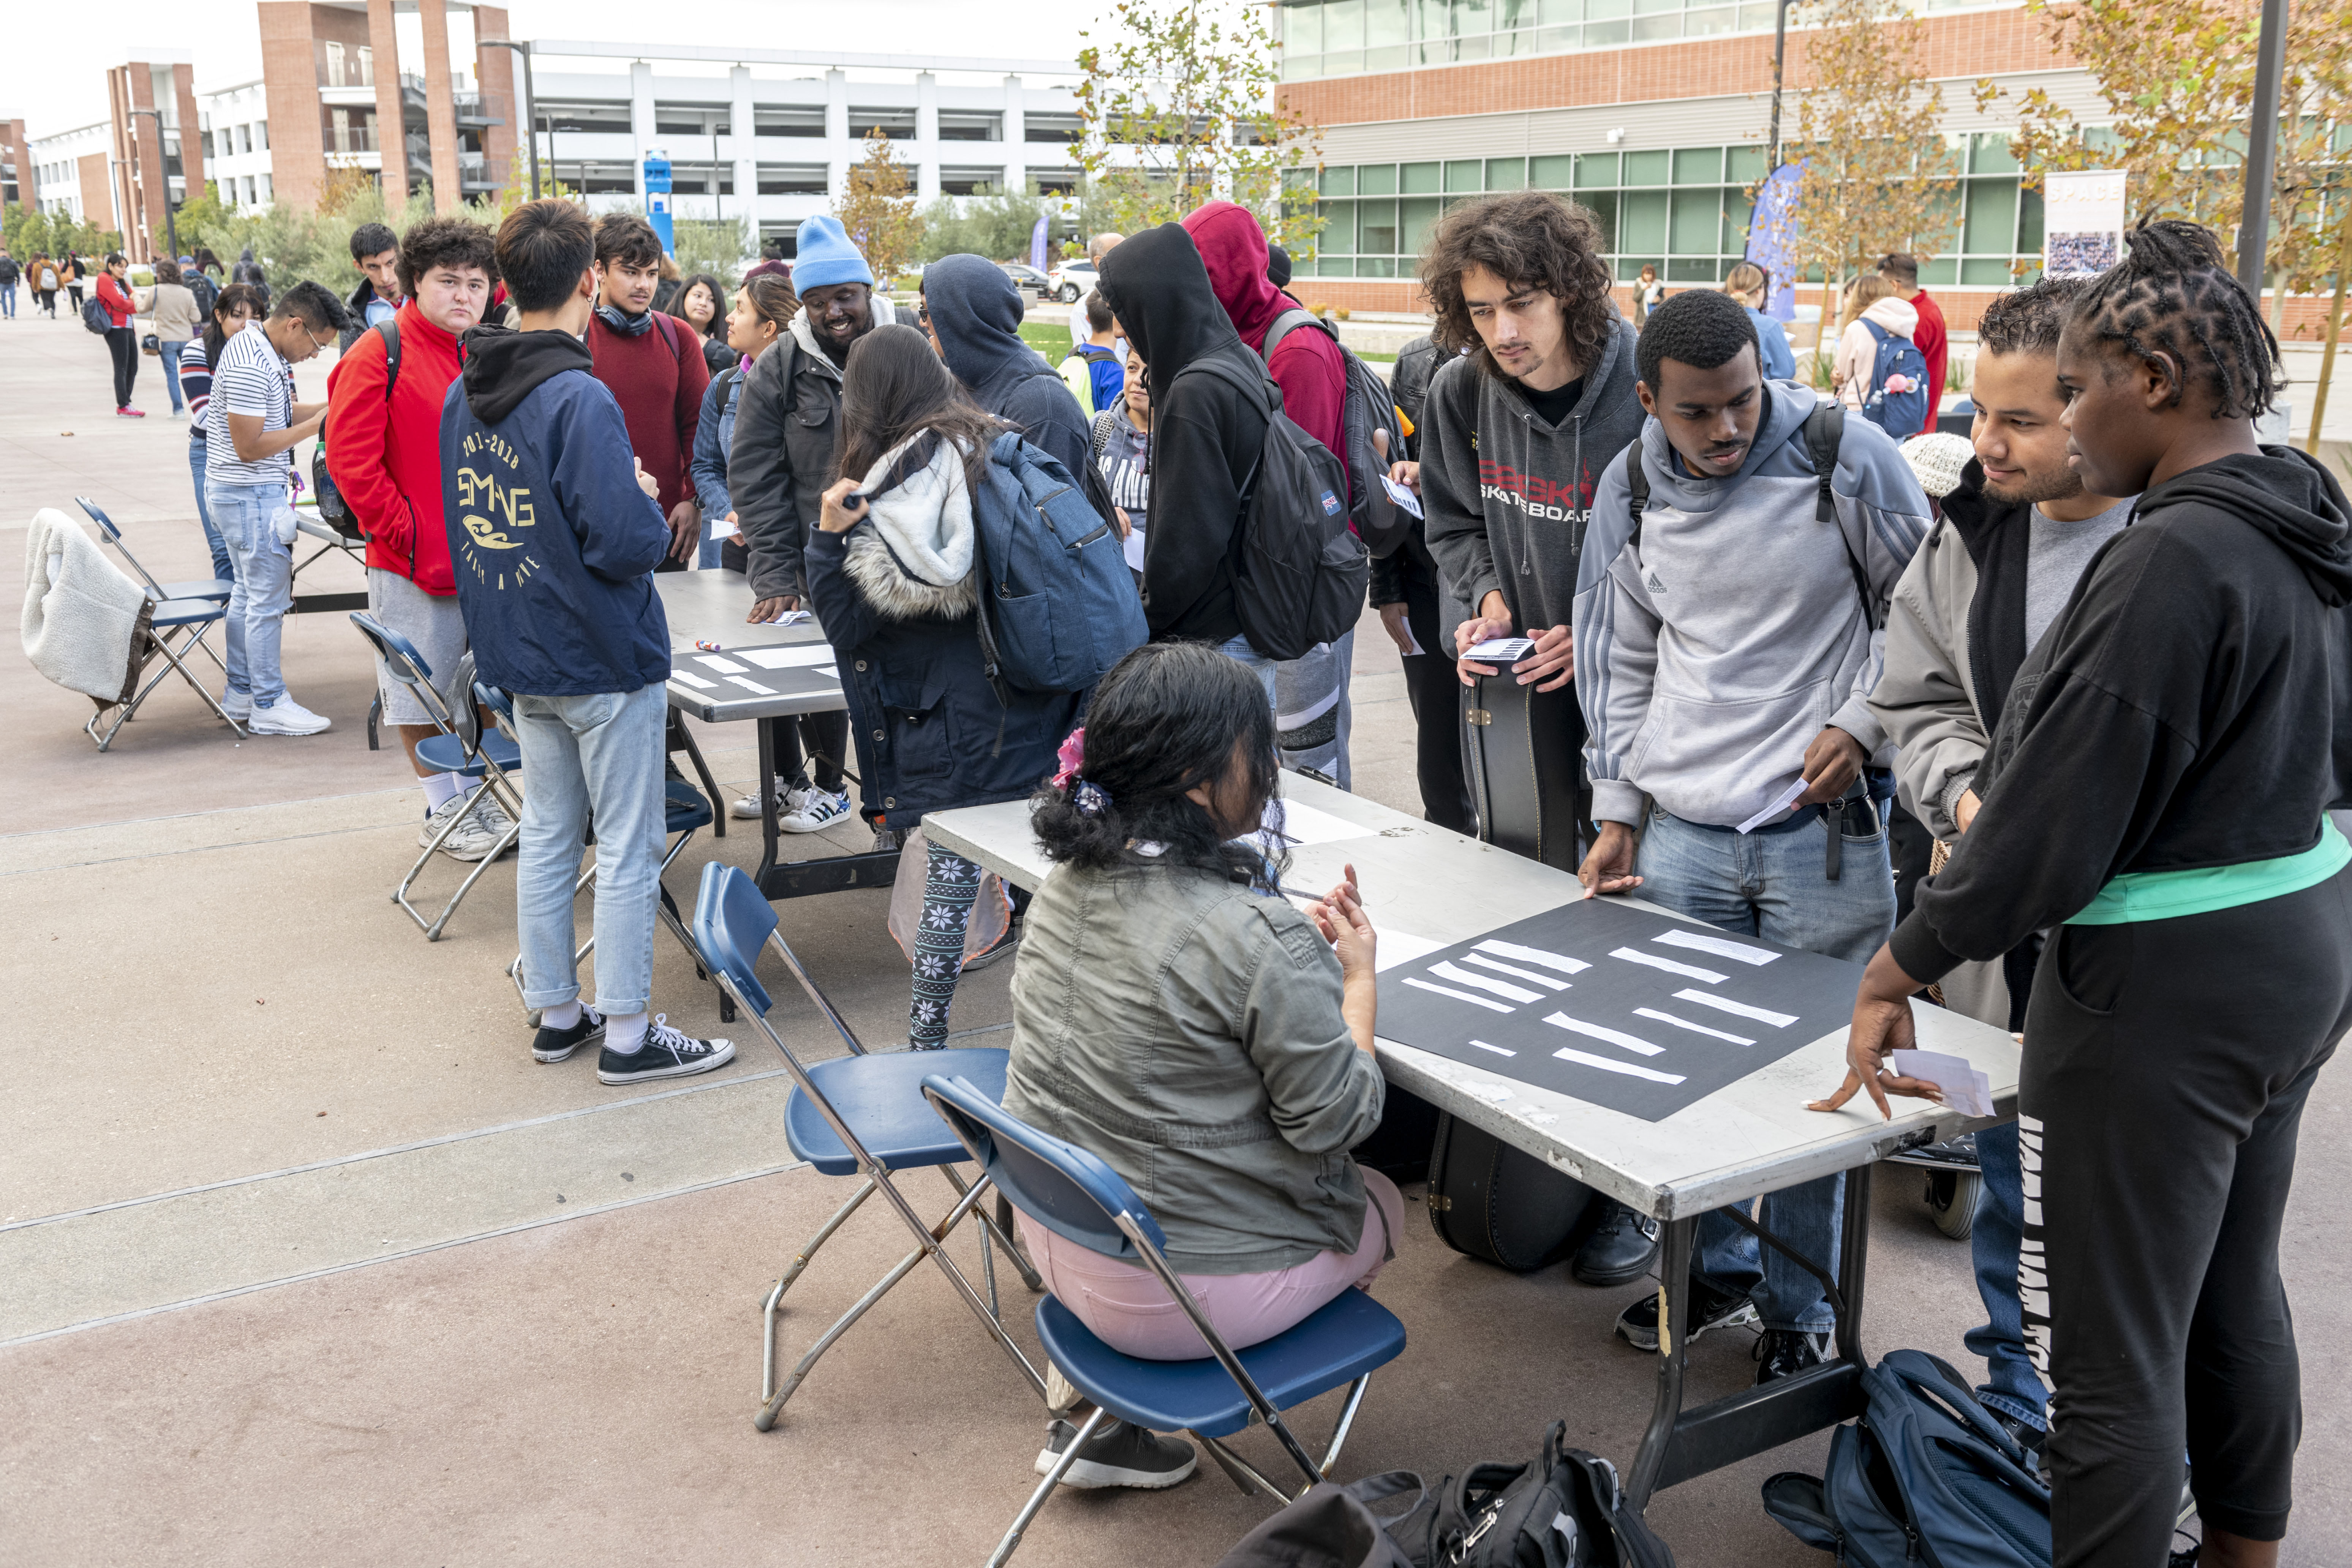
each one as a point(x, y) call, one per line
point(85, 622)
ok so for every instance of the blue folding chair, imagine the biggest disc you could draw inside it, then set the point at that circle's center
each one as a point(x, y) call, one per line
point(1076, 1197)
point(859, 1114)
point(685, 811)
point(217, 589)
point(182, 614)
point(466, 752)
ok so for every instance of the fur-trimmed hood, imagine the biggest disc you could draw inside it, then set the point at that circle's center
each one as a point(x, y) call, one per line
point(913, 552)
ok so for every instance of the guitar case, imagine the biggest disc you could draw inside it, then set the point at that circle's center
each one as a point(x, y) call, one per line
point(1524, 752)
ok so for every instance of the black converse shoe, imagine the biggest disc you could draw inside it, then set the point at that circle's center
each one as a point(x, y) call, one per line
point(1119, 1455)
point(666, 1053)
point(1780, 1352)
point(1637, 1325)
point(555, 1045)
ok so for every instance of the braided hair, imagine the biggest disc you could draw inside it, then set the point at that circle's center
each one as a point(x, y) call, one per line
point(2174, 294)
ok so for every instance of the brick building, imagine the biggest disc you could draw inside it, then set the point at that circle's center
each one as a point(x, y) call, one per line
point(154, 155)
point(1653, 113)
point(16, 185)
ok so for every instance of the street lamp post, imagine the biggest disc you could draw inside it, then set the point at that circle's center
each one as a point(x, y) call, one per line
point(2262, 148)
point(529, 102)
point(171, 229)
point(1779, 57)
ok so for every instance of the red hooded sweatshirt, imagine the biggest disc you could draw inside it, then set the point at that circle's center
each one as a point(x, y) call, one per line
point(386, 458)
point(1307, 363)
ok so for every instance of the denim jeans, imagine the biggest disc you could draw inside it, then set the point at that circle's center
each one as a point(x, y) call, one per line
point(264, 586)
point(8, 302)
point(596, 758)
point(2015, 1389)
point(1773, 884)
point(170, 354)
point(224, 570)
point(1238, 649)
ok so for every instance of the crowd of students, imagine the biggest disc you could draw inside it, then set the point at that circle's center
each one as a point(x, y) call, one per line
point(1733, 585)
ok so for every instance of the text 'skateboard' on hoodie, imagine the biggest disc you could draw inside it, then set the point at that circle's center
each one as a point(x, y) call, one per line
point(1507, 495)
point(553, 543)
point(1207, 433)
point(1709, 655)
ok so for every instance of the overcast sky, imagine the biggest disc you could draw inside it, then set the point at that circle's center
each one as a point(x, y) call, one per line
point(53, 71)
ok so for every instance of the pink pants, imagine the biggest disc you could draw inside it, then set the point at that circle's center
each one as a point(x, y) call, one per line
point(1130, 1309)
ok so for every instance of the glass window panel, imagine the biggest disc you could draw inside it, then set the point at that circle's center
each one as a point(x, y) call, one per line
point(1421, 179)
point(1657, 29)
point(2029, 222)
point(1415, 218)
point(1701, 269)
point(1657, 7)
point(1698, 165)
point(1375, 267)
point(1335, 267)
point(1345, 62)
point(1470, 17)
point(1757, 18)
point(1343, 25)
point(1556, 172)
point(1376, 179)
point(1602, 206)
point(1376, 228)
point(1338, 236)
point(1629, 268)
point(1507, 173)
point(1302, 29)
point(1387, 22)
point(1595, 169)
point(1552, 41)
point(1697, 227)
point(1990, 154)
point(1514, 14)
point(1554, 12)
point(1646, 168)
point(1744, 165)
point(1601, 35)
point(1737, 214)
point(1988, 273)
point(1713, 20)
point(1642, 223)
point(1430, 18)
point(1339, 180)
point(1472, 48)
point(1462, 175)
point(1606, 10)
point(1992, 217)
point(1943, 272)
point(1301, 67)
point(1434, 51)
point(1395, 58)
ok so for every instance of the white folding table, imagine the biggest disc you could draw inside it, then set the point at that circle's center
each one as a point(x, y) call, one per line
point(1427, 888)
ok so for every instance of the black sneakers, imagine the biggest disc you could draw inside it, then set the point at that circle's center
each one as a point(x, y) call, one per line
point(1637, 1325)
point(1780, 1351)
point(555, 1044)
point(1119, 1455)
point(666, 1053)
point(1620, 1252)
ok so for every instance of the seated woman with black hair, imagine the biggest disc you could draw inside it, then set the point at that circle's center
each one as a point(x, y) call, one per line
point(1177, 1017)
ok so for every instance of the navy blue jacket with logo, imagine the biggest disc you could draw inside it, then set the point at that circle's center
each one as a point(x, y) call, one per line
point(552, 543)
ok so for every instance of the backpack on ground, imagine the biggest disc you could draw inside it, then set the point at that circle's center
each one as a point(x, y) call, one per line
point(96, 317)
point(1057, 604)
point(1491, 1201)
point(1367, 408)
point(1926, 1477)
point(1897, 401)
point(1299, 573)
point(1331, 1526)
point(1566, 1509)
point(333, 510)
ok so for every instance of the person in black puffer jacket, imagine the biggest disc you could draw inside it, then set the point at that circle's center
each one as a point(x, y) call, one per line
point(894, 576)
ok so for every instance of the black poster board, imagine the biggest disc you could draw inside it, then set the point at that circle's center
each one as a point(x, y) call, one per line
point(1638, 1012)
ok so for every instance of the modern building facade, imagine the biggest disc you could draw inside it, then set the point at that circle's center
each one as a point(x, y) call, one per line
point(155, 155)
point(71, 174)
point(1653, 113)
point(16, 166)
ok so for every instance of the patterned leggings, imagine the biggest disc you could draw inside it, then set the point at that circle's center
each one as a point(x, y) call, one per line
point(952, 884)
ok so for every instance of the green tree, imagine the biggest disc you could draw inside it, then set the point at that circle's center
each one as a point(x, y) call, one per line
point(720, 246)
point(996, 223)
point(1181, 105)
point(878, 208)
point(1874, 175)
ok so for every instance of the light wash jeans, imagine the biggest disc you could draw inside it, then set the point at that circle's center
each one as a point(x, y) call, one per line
point(8, 300)
point(1773, 884)
point(2015, 1388)
point(264, 570)
point(596, 759)
point(170, 354)
point(224, 569)
point(1238, 649)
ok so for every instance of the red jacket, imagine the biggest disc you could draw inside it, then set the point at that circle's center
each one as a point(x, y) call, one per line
point(120, 306)
point(386, 458)
point(658, 378)
point(1934, 347)
point(1306, 364)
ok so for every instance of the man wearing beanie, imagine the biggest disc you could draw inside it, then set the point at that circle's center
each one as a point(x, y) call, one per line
point(786, 424)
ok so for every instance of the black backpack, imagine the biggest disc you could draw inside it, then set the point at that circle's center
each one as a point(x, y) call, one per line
point(333, 511)
point(1565, 1510)
point(206, 292)
point(1299, 572)
point(1367, 408)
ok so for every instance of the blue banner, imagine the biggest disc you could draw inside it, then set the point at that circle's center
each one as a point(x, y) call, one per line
point(1037, 244)
point(1772, 234)
point(657, 201)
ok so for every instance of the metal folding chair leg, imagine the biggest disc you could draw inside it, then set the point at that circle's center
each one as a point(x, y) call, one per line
point(433, 928)
point(1069, 1455)
point(160, 643)
point(793, 1271)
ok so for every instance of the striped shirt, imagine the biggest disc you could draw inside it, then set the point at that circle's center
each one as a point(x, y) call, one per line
point(251, 378)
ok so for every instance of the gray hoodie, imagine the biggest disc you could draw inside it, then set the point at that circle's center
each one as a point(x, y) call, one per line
point(1506, 496)
point(1709, 655)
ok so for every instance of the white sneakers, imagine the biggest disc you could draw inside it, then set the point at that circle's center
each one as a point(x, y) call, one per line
point(237, 705)
point(799, 809)
point(286, 717)
point(484, 825)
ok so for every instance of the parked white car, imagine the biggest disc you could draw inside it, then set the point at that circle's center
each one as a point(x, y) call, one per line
point(1073, 281)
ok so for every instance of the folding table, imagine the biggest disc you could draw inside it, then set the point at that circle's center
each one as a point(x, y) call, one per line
point(1427, 888)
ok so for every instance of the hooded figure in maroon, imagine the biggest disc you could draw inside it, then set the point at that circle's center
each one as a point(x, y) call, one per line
point(1307, 363)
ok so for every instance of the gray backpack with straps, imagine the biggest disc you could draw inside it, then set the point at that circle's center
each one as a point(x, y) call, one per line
point(1367, 408)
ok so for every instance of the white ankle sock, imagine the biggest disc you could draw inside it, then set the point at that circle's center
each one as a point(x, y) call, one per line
point(564, 1018)
point(439, 787)
point(625, 1036)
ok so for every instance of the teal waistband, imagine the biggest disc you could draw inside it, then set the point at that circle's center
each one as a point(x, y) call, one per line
point(2168, 895)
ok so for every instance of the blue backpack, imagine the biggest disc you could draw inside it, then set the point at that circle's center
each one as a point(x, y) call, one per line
point(1903, 413)
point(1927, 1476)
point(1057, 604)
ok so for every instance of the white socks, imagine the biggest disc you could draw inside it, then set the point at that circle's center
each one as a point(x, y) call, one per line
point(625, 1036)
point(439, 787)
point(564, 1018)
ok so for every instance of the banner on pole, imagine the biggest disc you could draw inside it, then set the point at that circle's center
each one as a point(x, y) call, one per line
point(2082, 222)
point(1037, 244)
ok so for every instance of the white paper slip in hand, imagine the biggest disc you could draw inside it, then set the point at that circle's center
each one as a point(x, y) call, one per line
point(1501, 650)
point(1407, 502)
point(1786, 798)
point(1966, 1089)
